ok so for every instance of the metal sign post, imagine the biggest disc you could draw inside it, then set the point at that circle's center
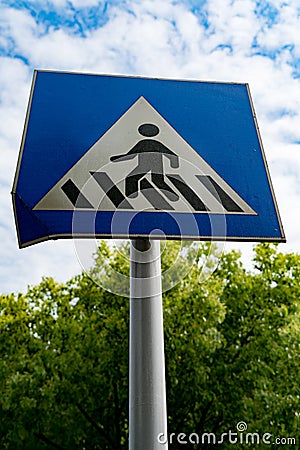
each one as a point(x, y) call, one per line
point(147, 391)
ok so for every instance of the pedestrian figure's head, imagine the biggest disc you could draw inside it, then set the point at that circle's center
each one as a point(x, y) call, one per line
point(148, 130)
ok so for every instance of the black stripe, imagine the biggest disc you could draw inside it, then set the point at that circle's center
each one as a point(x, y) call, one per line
point(111, 190)
point(154, 197)
point(75, 196)
point(219, 193)
point(158, 180)
point(188, 193)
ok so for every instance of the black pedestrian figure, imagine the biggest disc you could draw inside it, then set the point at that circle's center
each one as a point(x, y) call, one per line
point(150, 159)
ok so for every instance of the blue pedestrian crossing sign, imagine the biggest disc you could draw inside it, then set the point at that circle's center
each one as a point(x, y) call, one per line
point(125, 157)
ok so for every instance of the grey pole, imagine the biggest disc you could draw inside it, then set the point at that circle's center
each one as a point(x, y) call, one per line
point(147, 391)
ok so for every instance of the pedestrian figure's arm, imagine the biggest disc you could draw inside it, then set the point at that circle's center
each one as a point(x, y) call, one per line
point(122, 157)
point(174, 161)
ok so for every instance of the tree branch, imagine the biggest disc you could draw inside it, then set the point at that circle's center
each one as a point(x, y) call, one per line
point(200, 424)
point(44, 438)
point(117, 415)
point(94, 424)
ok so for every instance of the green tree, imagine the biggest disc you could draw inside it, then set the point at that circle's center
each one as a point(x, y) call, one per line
point(232, 352)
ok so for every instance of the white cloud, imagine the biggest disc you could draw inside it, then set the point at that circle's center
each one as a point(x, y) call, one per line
point(232, 23)
point(284, 32)
point(86, 3)
point(18, 25)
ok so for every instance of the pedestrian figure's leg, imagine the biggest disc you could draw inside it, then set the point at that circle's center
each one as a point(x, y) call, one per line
point(158, 180)
point(132, 182)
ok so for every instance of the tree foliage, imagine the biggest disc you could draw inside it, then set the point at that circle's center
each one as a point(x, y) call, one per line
point(232, 345)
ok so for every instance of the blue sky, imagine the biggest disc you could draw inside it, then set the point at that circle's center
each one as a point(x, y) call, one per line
point(222, 40)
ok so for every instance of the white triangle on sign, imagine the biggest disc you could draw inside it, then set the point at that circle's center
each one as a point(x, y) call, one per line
point(132, 168)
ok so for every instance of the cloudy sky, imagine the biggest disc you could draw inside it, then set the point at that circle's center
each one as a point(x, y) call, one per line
point(257, 42)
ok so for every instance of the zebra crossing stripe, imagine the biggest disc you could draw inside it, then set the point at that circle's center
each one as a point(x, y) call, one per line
point(228, 203)
point(111, 190)
point(75, 196)
point(154, 197)
point(187, 193)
